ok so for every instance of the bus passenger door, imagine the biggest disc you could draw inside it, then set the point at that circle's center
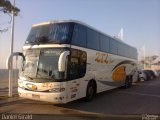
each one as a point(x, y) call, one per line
point(75, 72)
point(73, 82)
point(73, 90)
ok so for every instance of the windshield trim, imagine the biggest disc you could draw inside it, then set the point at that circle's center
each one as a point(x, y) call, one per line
point(42, 78)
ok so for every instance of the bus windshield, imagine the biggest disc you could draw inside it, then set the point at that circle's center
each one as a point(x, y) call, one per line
point(42, 65)
point(50, 33)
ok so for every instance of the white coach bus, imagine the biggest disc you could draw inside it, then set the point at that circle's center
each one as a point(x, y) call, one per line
point(67, 60)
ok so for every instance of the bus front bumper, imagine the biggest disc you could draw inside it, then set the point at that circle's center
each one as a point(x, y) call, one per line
point(56, 98)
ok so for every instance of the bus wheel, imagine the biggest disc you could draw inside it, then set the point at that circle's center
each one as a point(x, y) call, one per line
point(91, 91)
point(128, 82)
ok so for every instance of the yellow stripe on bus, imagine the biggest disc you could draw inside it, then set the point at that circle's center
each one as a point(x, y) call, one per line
point(119, 73)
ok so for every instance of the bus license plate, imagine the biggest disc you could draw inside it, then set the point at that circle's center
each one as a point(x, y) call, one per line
point(35, 96)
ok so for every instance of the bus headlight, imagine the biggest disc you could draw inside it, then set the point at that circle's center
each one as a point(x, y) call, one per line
point(57, 90)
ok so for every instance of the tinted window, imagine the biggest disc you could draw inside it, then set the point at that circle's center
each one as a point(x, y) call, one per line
point(123, 50)
point(37, 32)
point(59, 32)
point(113, 46)
point(92, 39)
point(77, 64)
point(56, 33)
point(133, 53)
point(128, 52)
point(104, 43)
point(120, 49)
point(79, 35)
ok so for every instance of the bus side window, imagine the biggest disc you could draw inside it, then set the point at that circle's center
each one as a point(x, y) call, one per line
point(82, 64)
point(73, 71)
point(79, 35)
point(77, 64)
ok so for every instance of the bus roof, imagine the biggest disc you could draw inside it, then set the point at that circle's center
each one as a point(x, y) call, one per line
point(79, 22)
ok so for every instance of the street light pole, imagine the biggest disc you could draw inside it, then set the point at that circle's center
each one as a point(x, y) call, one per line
point(144, 57)
point(11, 51)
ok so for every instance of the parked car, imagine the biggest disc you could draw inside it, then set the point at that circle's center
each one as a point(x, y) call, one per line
point(150, 74)
point(142, 75)
point(156, 73)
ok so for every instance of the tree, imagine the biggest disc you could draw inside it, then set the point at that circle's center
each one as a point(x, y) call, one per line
point(7, 8)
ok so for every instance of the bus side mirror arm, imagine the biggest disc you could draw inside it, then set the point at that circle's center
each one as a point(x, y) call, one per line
point(8, 61)
point(62, 61)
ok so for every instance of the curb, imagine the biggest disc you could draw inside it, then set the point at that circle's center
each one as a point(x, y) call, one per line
point(6, 96)
point(6, 99)
point(7, 88)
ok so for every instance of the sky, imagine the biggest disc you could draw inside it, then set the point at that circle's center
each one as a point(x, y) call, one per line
point(140, 20)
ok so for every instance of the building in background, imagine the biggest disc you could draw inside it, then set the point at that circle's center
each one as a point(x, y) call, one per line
point(150, 62)
point(156, 64)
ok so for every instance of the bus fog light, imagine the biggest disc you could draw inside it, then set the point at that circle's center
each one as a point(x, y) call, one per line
point(57, 90)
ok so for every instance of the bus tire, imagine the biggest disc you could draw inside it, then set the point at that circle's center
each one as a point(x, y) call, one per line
point(90, 91)
point(128, 82)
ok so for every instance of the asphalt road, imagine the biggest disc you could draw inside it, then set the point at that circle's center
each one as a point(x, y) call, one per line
point(141, 99)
